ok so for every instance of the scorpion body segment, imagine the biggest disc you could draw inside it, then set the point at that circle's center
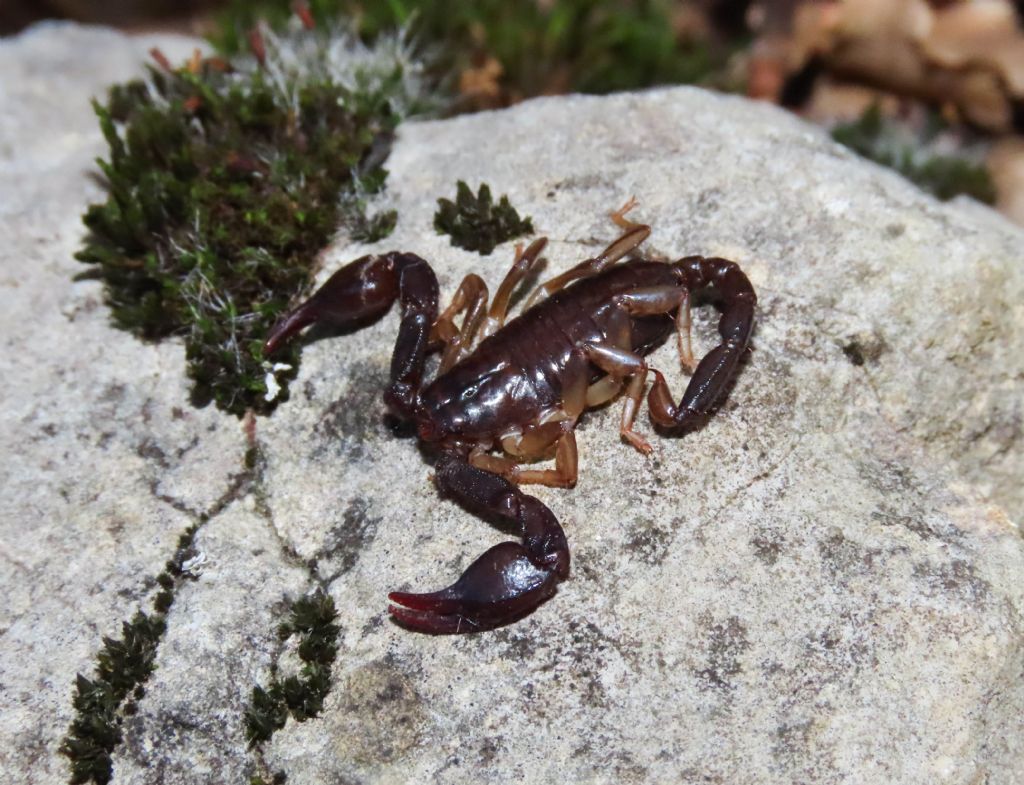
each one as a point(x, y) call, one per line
point(523, 387)
point(518, 374)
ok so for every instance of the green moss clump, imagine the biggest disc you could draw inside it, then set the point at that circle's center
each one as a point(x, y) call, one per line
point(944, 176)
point(122, 667)
point(476, 223)
point(312, 619)
point(225, 181)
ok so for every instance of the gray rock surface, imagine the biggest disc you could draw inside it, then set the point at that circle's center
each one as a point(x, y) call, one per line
point(821, 586)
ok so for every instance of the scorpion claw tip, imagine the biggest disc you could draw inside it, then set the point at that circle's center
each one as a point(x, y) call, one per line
point(428, 622)
point(501, 586)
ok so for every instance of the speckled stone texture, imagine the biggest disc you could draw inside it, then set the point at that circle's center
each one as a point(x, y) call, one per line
point(824, 585)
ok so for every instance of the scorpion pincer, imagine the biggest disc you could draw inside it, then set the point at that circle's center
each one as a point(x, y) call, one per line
point(518, 389)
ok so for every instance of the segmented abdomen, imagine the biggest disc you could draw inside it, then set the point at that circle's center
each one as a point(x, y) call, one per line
point(515, 375)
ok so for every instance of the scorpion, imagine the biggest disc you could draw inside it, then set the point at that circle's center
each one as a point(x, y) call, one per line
point(518, 388)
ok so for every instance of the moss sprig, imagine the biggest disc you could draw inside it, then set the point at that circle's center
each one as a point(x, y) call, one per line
point(476, 223)
point(224, 182)
point(122, 667)
point(312, 620)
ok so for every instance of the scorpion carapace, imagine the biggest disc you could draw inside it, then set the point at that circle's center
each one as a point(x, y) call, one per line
point(510, 394)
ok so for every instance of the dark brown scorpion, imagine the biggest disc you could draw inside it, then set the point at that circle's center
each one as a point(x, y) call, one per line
point(522, 389)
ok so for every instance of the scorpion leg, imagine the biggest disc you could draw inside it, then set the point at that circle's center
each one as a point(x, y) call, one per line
point(683, 336)
point(471, 297)
point(616, 358)
point(507, 581)
point(525, 263)
point(723, 283)
point(602, 391)
point(535, 444)
point(634, 235)
point(620, 364)
point(566, 470)
point(364, 290)
point(619, 334)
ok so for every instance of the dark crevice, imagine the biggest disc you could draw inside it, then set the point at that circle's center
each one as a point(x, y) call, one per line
point(310, 623)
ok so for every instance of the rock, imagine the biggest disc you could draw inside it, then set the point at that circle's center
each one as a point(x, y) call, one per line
point(822, 585)
point(105, 463)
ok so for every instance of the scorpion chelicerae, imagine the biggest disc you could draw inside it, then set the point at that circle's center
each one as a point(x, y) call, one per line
point(520, 388)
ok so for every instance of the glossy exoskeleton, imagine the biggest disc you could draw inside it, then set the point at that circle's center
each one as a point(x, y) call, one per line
point(519, 388)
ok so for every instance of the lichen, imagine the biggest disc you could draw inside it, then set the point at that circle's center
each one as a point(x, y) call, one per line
point(311, 620)
point(122, 667)
point(224, 182)
point(476, 223)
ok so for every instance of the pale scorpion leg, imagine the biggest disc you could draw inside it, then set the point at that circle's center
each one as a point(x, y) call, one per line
point(524, 265)
point(535, 443)
point(607, 387)
point(566, 469)
point(620, 363)
point(471, 297)
point(479, 458)
point(634, 235)
point(683, 338)
point(723, 283)
point(507, 581)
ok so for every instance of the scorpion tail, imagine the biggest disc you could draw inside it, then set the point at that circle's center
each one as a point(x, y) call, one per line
point(723, 283)
point(507, 581)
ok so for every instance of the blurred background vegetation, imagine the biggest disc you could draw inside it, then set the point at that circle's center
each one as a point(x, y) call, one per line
point(932, 88)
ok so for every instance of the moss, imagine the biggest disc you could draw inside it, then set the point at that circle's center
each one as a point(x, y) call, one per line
point(476, 223)
point(266, 714)
point(122, 667)
point(302, 695)
point(370, 229)
point(280, 778)
point(945, 176)
point(225, 181)
point(163, 601)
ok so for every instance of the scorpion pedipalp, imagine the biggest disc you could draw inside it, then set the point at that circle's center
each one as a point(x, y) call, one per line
point(364, 290)
point(720, 281)
point(500, 586)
